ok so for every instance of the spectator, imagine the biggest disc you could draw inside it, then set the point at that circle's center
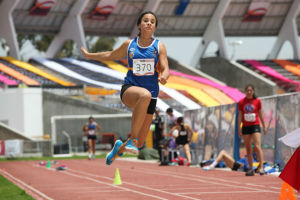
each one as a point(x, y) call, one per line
point(230, 162)
point(171, 119)
point(249, 113)
point(91, 129)
point(158, 135)
point(183, 134)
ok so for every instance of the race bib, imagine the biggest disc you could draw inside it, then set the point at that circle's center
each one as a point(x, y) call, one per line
point(182, 133)
point(250, 117)
point(143, 67)
point(91, 132)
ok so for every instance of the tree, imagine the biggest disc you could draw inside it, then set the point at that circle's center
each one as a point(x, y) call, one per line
point(69, 49)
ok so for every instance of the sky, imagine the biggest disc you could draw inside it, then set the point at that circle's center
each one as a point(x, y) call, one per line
point(183, 49)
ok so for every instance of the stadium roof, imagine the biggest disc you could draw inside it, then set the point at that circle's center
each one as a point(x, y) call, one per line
point(212, 20)
point(192, 22)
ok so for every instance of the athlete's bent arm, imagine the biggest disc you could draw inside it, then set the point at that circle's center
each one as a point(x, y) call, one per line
point(163, 62)
point(262, 120)
point(239, 122)
point(115, 54)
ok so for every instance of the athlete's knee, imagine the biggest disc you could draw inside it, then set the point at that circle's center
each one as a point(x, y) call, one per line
point(145, 96)
point(223, 152)
point(257, 147)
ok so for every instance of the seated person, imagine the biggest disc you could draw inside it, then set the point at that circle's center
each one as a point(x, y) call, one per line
point(240, 165)
point(183, 134)
point(230, 162)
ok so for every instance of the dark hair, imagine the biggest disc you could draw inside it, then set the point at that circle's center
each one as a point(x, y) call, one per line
point(139, 21)
point(169, 110)
point(179, 120)
point(250, 85)
point(91, 117)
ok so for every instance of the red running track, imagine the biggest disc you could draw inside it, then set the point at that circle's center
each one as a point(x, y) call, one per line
point(86, 179)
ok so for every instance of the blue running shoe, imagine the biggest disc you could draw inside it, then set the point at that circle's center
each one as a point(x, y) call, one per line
point(131, 146)
point(111, 156)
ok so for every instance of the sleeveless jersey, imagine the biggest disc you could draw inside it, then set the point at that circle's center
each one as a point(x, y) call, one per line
point(91, 128)
point(142, 62)
point(182, 136)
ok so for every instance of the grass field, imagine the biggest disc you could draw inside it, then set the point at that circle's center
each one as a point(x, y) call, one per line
point(10, 191)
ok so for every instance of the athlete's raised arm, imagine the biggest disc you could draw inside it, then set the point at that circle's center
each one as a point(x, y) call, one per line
point(115, 54)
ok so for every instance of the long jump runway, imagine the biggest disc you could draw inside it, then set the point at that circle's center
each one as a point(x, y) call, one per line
point(92, 179)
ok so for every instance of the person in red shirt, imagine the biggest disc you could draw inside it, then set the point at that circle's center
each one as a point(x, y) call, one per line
point(249, 114)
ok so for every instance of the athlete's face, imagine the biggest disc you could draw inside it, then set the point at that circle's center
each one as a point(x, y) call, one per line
point(148, 24)
point(249, 92)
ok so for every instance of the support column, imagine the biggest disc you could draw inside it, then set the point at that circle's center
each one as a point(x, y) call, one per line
point(288, 32)
point(7, 30)
point(71, 29)
point(152, 6)
point(213, 32)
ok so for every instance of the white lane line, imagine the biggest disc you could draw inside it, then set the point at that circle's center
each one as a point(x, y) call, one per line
point(196, 178)
point(224, 192)
point(115, 186)
point(26, 185)
point(136, 185)
point(101, 182)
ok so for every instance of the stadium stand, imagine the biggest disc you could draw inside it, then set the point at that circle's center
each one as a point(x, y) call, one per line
point(5, 80)
point(216, 94)
point(40, 79)
point(67, 72)
point(283, 82)
point(37, 71)
point(275, 64)
point(235, 94)
point(291, 67)
point(18, 75)
point(88, 72)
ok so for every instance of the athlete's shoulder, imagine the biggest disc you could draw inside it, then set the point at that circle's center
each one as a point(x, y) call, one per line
point(242, 100)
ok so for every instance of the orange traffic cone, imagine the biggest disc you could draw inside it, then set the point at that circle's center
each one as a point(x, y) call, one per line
point(287, 192)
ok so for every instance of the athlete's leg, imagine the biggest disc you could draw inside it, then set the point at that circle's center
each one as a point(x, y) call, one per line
point(188, 152)
point(94, 147)
point(227, 159)
point(257, 149)
point(90, 147)
point(247, 142)
point(138, 100)
point(144, 130)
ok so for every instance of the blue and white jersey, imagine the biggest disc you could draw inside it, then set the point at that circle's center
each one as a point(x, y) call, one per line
point(92, 128)
point(142, 61)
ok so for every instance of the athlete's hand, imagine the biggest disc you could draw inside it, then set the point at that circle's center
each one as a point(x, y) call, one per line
point(264, 130)
point(240, 132)
point(162, 80)
point(84, 52)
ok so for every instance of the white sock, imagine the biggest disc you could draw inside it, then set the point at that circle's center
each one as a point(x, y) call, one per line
point(90, 155)
point(214, 164)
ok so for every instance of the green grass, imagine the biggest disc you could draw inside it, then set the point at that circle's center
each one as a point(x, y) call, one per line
point(59, 158)
point(10, 191)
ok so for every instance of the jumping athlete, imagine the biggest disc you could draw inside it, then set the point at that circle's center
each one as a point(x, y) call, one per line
point(140, 89)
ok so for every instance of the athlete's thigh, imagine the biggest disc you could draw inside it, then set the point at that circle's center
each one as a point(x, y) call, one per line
point(247, 140)
point(132, 94)
point(257, 138)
